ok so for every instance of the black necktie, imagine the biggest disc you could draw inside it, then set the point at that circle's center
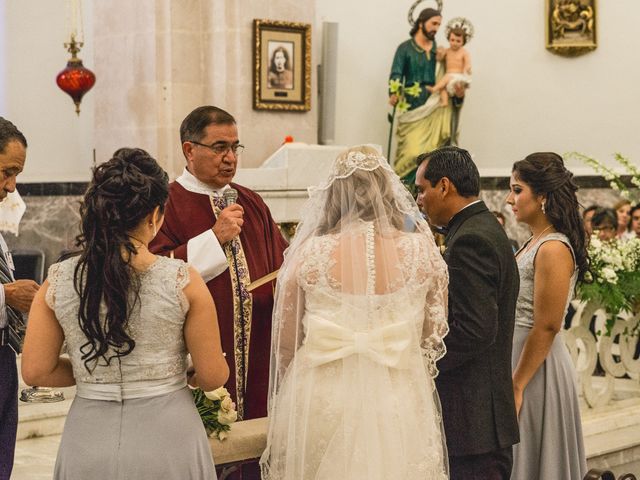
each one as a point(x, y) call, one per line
point(15, 321)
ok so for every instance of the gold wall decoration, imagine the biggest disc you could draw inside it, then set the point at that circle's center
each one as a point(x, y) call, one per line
point(281, 65)
point(571, 26)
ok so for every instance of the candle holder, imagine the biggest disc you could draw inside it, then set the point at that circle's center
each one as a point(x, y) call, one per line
point(41, 395)
point(75, 79)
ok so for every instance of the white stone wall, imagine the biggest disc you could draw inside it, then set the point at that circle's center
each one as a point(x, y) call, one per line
point(523, 98)
point(32, 34)
point(155, 61)
point(162, 59)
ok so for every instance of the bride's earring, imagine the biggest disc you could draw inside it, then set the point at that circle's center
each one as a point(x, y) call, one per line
point(155, 231)
point(542, 208)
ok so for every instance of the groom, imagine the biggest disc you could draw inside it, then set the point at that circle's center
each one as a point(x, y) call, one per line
point(474, 383)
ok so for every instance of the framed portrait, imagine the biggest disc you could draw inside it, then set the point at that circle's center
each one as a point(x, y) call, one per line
point(282, 65)
point(571, 26)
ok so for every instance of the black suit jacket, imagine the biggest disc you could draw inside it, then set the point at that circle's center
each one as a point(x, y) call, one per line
point(474, 383)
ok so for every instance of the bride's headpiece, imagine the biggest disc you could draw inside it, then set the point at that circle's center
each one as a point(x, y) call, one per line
point(345, 166)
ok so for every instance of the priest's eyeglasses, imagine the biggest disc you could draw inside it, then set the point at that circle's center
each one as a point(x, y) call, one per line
point(221, 148)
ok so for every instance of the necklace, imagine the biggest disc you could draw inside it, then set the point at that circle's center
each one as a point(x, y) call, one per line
point(535, 239)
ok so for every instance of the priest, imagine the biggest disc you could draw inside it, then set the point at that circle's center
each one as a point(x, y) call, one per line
point(227, 233)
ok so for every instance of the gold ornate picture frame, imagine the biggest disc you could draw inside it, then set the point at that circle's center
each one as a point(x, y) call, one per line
point(282, 65)
point(571, 26)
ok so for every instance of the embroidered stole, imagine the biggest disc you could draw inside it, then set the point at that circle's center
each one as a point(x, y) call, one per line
point(242, 307)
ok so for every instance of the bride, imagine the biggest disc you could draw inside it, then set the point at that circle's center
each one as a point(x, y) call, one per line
point(359, 321)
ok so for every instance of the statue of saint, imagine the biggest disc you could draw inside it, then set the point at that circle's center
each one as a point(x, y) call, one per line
point(424, 124)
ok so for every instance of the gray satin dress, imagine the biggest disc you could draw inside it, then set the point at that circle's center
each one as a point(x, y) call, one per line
point(134, 418)
point(551, 444)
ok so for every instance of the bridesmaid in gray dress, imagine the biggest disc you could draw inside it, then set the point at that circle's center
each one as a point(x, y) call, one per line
point(128, 319)
point(542, 195)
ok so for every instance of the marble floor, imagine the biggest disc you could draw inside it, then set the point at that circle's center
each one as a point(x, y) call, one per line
point(612, 438)
point(35, 458)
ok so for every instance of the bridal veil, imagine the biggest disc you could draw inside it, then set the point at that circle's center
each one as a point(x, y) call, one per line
point(359, 321)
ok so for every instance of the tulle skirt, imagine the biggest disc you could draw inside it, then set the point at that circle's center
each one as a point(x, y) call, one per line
point(355, 419)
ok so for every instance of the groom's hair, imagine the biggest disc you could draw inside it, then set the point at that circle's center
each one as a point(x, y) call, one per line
point(455, 164)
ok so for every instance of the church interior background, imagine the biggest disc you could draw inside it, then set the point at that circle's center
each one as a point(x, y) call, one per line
point(156, 60)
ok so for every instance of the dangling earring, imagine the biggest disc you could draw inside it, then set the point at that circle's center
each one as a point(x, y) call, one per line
point(155, 231)
point(542, 208)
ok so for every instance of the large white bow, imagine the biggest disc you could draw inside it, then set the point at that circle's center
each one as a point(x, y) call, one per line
point(327, 341)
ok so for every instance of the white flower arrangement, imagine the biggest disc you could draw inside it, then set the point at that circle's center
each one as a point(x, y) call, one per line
point(216, 410)
point(614, 277)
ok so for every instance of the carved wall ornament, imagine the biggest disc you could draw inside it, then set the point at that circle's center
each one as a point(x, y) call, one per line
point(571, 26)
point(616, 352)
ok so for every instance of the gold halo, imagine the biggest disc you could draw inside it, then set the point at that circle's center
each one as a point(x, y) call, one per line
point(412, 21)
point(463, 23)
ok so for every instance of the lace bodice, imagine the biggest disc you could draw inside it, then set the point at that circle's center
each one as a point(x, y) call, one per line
point(156, 324)
point(524, 306)
point(411, 290)
point(327, 279)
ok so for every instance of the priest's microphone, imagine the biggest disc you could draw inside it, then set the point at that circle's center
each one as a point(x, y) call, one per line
point(230, 196)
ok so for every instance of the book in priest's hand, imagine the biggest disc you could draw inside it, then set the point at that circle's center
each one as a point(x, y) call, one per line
point(269, 277)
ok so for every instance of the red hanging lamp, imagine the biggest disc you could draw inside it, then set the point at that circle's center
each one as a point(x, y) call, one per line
point(75, 80)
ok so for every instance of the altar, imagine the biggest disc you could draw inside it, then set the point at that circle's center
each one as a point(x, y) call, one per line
point(282, 180)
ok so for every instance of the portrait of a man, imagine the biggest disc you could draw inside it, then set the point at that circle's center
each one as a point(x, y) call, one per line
point(280, 75)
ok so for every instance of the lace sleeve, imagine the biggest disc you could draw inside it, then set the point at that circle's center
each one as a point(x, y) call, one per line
point(286, 333)
point(182, 280)
point(52, 277)
point(435, 326)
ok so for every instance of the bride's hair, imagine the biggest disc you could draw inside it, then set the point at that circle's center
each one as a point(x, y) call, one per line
point(362, 193)
point(122, 192)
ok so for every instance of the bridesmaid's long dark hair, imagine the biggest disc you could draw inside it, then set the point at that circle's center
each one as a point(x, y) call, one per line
point(122, 192)
point(546, 174)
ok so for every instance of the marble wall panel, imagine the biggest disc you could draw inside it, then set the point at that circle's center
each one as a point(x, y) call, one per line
point(495, 200)
point(51, 222)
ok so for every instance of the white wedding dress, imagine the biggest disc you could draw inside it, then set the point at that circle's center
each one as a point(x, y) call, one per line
point(359, 321)
point(357, 401)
